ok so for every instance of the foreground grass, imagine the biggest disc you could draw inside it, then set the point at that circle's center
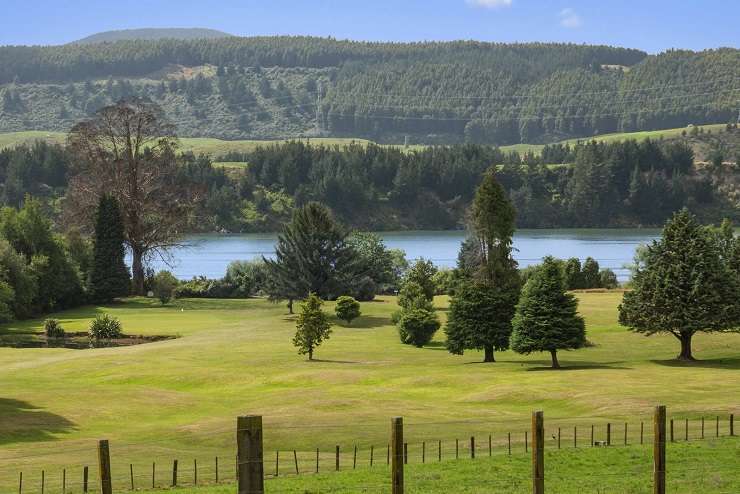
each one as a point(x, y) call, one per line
point(699, 467)
point(178, 399)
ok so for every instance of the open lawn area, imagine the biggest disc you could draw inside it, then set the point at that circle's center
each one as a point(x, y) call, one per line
point(179, 398)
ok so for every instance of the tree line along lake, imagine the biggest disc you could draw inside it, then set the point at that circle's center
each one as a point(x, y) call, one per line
point(209, 254)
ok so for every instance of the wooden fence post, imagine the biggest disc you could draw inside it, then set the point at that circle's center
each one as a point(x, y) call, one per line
point(217, 469)
point(405, 453)
point(154, 466)
point(472, 447)
point(538, 453)
point(85, 473)
point(354, 459)
point(717, 427)
point(509, 443)
point(490, 445)
point(526, 442)
point(388, 454)
point(106, 484)
point(174, 473)
point(608, 434)
point(702, 427)
point(295, 459)
point(672, 437)
point(575, 436)
point(439, 451)
point(625, 433)
point(336, 458)
point(659, 441)
point(20, 483)
point(686, 431)
point(423, 452)
point(457, 449)
point(277, 463)
point(642, 430)
point(43, 481)
point(131, 472)
point(558, 437)
point(732, 424)
point(592, 435)
point(250, 455)
point(317, 460)
point(371, 454)
point(64, 481)
point(398, 450)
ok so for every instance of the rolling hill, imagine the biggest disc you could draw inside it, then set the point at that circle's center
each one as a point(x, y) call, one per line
point(152, 34)
point(422, 93)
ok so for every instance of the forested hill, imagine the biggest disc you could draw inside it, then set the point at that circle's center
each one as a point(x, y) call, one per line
point(432, 92)
point(152, 34)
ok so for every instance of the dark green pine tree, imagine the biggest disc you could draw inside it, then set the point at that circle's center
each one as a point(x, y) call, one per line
point(546, 318)
point(109, 276)
point(683, 286)
point(312, 255)
point(482, 309)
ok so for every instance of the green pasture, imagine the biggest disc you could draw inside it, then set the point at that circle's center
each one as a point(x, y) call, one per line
point(218, 147)
point(179, 398)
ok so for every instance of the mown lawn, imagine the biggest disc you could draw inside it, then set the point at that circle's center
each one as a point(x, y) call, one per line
point(178, 399)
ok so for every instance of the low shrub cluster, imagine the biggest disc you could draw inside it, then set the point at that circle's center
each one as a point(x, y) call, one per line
point(53, 329)
point(105, 327)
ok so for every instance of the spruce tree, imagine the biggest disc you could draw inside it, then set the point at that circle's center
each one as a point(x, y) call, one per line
point(682, 286)
point(546, 318)
point(312, 327)
point(109, 276)
point(312, 256)
point(482, 309)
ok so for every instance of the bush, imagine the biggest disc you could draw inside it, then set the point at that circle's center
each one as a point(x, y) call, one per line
point(417, 326)
point(412, 296)
point(164, 285)
point(245, 278)
point(444, 282)
point(105, 327)
point(347, 308)
point(53, 329)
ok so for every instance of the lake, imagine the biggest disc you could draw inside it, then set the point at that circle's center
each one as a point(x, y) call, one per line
point(209, 255)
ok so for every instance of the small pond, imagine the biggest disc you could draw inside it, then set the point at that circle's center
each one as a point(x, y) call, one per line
point(75, 341)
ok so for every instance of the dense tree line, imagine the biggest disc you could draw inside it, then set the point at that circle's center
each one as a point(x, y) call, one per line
point(433, 92)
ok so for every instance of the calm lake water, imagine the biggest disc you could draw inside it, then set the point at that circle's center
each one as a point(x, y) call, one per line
point(209, 255)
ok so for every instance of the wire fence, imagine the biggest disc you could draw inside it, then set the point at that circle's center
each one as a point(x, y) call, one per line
point(507, 443)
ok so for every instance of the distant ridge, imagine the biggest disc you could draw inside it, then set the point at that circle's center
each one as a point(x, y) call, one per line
point(152, 34)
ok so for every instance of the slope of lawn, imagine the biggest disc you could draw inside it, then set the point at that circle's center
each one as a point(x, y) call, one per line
point(178, 399)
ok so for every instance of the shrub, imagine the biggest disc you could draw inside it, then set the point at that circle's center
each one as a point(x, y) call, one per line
point(347, 308)
point(417, 326)
point(245, 278)
point(444, 282)
point(53, 329)
point(164, 285)
point(412, 296)
point(105, 327)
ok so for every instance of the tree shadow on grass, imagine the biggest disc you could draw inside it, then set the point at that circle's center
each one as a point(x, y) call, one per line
point(732, 363)
point(364, 322)
point(23, 422)
point(324, 361)
point(435, 345)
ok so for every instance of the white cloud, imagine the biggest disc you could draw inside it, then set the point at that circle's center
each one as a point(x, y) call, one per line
point(570, 19)
point(490, 4)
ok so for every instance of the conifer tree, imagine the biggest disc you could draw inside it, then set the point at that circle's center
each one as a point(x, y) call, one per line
point(682, 286)
point(312, 327)
point(312, 256)
point(482, 309)
point(546, 318)
point(109, 276)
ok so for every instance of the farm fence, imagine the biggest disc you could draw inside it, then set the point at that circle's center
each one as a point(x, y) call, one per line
point(252, 468)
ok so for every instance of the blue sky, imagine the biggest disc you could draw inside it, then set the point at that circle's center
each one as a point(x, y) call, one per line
point(651, 25)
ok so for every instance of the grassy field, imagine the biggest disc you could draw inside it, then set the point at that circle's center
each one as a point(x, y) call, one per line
point(179, 398)
point(216, 147)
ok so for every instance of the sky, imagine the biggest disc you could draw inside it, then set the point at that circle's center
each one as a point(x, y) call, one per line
point(650, 25)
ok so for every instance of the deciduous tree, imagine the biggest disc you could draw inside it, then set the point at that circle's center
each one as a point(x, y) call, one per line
point(312, 327)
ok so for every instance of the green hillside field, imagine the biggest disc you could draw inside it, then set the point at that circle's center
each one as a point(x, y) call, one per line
point(178, 399)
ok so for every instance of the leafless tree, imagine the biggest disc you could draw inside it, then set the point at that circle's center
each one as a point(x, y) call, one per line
point(128, 150)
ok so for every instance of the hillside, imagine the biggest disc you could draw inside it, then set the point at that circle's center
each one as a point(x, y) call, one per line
point(431, 92)
point(152, 34)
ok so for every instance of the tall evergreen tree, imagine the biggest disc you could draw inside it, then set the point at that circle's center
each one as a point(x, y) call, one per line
point(682, 286)
point(109, 276)
point(482, 309)
point(312, 256)
point(546, 317)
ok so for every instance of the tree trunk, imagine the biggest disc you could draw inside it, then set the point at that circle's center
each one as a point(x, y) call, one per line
point(686, 347)
point(137, 270)
point(554, 355)
point(488, 349)
point(290, 306)
point(310, 354)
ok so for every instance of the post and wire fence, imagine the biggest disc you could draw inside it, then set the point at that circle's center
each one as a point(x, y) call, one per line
point(253, 469)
